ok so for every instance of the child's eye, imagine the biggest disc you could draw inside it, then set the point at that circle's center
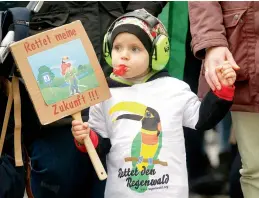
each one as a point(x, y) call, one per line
point(117, 47)
point(135, 49)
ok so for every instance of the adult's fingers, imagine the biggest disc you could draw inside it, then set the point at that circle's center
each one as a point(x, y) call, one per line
point(231, 60)
point(209, 81)
point(213, 77)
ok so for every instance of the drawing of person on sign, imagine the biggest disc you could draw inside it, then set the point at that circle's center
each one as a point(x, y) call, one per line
point(69, 73)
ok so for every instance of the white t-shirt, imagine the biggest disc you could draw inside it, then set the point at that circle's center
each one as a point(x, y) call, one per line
point(128, 119)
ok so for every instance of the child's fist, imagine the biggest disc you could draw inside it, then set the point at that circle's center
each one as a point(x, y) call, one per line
point(226, 74)
point(80, 130)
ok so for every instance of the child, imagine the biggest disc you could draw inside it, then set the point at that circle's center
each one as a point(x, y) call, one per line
point(144, 117)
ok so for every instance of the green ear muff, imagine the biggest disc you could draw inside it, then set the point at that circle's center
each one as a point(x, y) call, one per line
point(106, 50)
point(161, 52)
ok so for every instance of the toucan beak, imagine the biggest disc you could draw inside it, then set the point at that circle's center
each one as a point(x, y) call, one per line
point(132, 107)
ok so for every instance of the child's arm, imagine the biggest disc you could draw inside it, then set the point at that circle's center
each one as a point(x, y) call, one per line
point(215, 105)
point(227, 77)
point(81, 130)
point(100, 140)
point(213, 108)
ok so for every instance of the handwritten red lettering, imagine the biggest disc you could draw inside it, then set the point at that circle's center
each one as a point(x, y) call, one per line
point(36, 44)
point(27, 47)
point(65, 35)
point(55, 109)
point(66, 106)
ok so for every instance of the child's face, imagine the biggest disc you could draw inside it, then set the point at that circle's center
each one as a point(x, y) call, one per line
point(129, 51)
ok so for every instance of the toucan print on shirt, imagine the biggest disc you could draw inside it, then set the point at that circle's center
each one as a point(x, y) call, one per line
point(145, 146)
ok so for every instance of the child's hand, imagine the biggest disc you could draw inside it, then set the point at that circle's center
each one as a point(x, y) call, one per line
point(226, 74)
point(80, 130)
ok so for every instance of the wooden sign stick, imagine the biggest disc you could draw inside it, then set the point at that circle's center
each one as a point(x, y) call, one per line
point(100, 171)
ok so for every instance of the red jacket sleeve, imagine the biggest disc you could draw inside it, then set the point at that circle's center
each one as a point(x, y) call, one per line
point(226, 93)
point(94, 138)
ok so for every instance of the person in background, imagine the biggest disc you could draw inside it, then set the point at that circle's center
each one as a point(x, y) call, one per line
point(228, 31)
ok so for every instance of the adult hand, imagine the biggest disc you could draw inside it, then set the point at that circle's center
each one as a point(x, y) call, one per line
point(216, 56)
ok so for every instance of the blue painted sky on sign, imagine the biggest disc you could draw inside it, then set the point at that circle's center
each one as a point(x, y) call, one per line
point(52, 57)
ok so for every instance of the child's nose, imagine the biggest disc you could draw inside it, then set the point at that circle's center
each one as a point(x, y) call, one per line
point(124, 58)
point(124, 55)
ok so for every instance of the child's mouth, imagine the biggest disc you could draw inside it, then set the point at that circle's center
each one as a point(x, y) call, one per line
point(120, 70)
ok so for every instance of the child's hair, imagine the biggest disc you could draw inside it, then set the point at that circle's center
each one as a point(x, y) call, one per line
point(149, 30)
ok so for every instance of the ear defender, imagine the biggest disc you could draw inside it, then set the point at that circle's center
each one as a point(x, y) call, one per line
point(160, 48)
point(106, 49)
point(161, 52)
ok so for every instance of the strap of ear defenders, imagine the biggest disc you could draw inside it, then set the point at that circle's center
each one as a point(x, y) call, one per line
point(151, 20)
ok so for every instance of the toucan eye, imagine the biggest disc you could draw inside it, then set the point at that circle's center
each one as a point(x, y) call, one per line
point(148, 114)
